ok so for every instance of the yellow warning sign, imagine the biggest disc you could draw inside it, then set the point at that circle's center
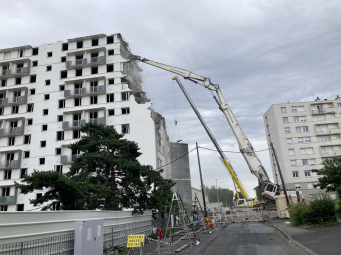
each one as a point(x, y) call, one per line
point(135, 240)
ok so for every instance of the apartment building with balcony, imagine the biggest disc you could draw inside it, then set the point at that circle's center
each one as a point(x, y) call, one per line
point(303, 135)
point(48, 92)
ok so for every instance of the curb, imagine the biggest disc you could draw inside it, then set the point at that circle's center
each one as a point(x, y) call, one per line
point(291, 239)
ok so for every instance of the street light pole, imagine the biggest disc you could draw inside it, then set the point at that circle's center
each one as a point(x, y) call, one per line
point(180, 188)
point(216, 184)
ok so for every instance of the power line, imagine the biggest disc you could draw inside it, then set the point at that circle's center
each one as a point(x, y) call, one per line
point(231, 151)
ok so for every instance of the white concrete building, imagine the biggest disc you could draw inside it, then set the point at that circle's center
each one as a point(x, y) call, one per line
point(47, 92)
point(303, 135)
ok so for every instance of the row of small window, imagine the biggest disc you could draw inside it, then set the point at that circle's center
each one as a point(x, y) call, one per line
point(320, 139)
point(77, 102)
point(303, 151)
point(313, 107)
point(4, 208)
point(310, 185)
point(65, 46)
point(305, 162)
point(304, 118)
point(303, 129)
point(79, 72)
point(23, 173)
point(293, 109)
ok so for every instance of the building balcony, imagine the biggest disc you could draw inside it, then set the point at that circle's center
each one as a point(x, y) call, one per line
point(85, 91)
point(95, 61)
point(69, 159)
point(323, 111)
point(7, 130)
point(97, 120)
point(14, 162)
point(10, 99)
point(74, 124)
point(9, 164)
point(9, 200)
point(10, 68)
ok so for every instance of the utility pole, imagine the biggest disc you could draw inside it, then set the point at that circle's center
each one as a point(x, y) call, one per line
point(202, 184)
point(182, 209)
point(216, 184)
point(280, 174)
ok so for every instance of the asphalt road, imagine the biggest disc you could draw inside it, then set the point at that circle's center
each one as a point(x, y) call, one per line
point(245, 238)
point(248, 238)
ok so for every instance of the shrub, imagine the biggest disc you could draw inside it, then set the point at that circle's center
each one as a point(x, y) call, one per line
point(337, 206)
point(321, 210)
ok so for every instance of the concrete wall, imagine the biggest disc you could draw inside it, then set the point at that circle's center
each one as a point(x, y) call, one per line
point(198, 193)
point(307, 115)
point(184, 171)
point(25, 226)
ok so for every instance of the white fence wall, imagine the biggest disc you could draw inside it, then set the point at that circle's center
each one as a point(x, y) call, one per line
point(24, 226)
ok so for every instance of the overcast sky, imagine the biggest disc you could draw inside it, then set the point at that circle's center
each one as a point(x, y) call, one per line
point(259, 52)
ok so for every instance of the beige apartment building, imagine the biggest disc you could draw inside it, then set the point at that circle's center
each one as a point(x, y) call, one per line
point(303, 135)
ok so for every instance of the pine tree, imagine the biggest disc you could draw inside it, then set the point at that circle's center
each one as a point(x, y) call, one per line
point(109, 172)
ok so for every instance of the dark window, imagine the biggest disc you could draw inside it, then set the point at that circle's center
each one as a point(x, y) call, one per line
point(2, 111)
point(23, 172)
point(60, 117)
point(46, 112)
point(47, 82)
point(15, 109)
point(110, 98)
point(21, 53)
point(111, 81)
point(41, 161)
point(26, 154)
point(63, 74)
point(20, 208)
point(3, 83)
point(49, 54)
point(47, 96)
point(27, 139)
point(59, 169)
point(94, 55)
point(79, 45)
point(65, 46)
point(39, 195)
point(17, 81)
point(29, 122)
point(60, 135)
point(61, 103)
point(20, 66)
point(35, 63)
point(79, 72)
point(30, 107)
point(111, 112)
point(33, 78)
point(93, 100)
point(35, 51)
point(94, 42)
point(94, 70)
point(125, 96)
point(58, 151)
point(3, 208)
point(42, 143)
point(110, 68)
point(125, 110)
point(125, 129)
point(8, 174)
point(61, 87)
point(44, 127)
point(48, 68)
point(76, 134)
point(33, 91)
point(11, 141)
point(63, 59)
point(111, 52)
point(110, 39)
point(78, 101)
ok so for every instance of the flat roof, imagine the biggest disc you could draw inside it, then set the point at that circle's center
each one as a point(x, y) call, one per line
point(86, 37)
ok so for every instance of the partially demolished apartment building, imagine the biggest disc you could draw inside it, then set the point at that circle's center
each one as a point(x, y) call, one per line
point(48, 92)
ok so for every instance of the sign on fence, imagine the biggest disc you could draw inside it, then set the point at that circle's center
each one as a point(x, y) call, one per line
point(135, 240)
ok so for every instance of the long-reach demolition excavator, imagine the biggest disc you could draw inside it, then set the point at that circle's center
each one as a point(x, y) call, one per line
point(268, 189)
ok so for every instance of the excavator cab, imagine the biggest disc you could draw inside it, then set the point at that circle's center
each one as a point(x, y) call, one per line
point(270, 191)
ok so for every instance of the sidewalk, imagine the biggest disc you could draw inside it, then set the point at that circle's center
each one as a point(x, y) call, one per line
point(316, 240)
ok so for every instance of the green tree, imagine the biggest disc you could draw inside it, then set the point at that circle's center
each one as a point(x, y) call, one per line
point(225, 195)
point(108, 173)
point(330, 176)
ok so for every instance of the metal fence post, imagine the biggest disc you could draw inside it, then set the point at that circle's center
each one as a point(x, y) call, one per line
point(112, 238)
point(158, 245)
point(141, 250)
point(21, 248)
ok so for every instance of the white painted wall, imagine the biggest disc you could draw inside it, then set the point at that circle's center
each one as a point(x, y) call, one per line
point(142, 126)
